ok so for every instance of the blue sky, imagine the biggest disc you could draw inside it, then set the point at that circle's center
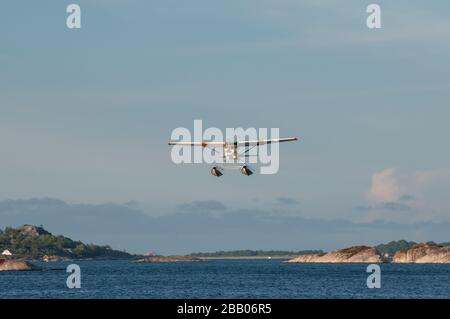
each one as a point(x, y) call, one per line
point(85, 114)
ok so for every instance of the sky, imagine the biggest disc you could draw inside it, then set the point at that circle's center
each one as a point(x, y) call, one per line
point(85, 116)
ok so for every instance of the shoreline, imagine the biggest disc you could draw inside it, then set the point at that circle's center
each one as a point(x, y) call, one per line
point(248, 257)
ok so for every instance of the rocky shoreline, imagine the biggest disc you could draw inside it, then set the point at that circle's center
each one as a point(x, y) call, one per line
point(17, 265)
point(22, 265)
point(424, 253)
point(356, 254)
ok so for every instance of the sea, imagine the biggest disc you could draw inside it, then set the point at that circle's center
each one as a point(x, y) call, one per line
point(262, 278)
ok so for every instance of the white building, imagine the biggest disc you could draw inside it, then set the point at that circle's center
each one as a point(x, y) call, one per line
point(6, 253)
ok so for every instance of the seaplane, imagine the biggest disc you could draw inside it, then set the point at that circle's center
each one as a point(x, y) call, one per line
point(233, 153)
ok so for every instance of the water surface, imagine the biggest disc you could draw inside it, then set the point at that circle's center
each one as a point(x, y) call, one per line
point(228, 279)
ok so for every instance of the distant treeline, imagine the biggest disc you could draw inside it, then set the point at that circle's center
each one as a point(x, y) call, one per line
point(255, 253)
point(392, 247)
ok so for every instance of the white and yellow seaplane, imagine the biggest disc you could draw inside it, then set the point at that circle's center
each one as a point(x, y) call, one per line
point(232, 152)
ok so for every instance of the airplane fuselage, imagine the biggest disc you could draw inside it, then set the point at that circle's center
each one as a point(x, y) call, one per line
point(230, 151)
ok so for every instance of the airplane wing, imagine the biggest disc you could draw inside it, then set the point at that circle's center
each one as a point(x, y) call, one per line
point(269, 141)
point(201, 143)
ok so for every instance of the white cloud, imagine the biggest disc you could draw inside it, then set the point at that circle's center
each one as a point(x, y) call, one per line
point(384, 187)
point(409, 197)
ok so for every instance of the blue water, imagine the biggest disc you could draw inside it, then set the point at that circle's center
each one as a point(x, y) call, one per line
point(228, 279)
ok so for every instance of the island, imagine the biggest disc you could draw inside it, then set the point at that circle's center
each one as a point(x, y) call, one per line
point(424, 253)
point(33, 243)
point(355, 254)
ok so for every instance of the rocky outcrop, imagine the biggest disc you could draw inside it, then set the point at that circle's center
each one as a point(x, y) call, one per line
point(17, 265)
point(423, 254)
point(356, 254)
point(165, 259)
point(31, 230)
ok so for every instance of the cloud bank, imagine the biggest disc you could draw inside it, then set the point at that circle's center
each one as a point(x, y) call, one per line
point(212, 227)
